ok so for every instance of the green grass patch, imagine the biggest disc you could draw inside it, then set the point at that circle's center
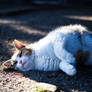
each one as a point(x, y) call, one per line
point(41, 90)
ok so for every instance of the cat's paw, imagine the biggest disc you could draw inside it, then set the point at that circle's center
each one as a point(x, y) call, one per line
point(71, 71)
point(68, 69)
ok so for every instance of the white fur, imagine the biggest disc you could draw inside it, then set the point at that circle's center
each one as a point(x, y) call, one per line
point(56, 50)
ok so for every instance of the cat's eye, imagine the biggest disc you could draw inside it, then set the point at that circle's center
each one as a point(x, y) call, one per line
point(15, 62)
point(20, 54)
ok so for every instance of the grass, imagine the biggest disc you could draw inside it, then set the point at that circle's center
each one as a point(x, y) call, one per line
point(39, 89)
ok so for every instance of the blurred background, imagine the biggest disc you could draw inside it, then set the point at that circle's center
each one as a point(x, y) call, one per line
point(61, 2)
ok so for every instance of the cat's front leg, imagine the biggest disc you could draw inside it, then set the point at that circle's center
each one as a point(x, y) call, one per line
point(62, 53)
point(67, 68)
point(68, 61)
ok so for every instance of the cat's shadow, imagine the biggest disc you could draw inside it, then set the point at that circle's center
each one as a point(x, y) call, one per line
point(61, 80)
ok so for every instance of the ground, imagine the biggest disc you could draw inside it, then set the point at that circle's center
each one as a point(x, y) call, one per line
point(32, 26)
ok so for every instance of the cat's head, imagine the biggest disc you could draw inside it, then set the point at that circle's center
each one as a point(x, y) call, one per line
point(23, 57)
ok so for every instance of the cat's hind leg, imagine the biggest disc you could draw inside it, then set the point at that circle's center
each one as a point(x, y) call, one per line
point(87, 39)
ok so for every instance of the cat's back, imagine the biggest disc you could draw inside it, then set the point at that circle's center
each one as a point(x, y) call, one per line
point(66, 31)
point(71, 29)
point(72, 34)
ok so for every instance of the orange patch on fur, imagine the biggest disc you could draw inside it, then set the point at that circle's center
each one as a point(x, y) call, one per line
point(25, 52)
point(18, 44)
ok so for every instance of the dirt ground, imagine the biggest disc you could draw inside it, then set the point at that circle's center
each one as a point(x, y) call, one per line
point(30, 27)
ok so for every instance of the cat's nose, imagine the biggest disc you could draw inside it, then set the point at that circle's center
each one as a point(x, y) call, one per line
point(21, 62)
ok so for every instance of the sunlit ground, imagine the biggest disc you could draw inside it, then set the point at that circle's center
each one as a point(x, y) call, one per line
point(86, 18)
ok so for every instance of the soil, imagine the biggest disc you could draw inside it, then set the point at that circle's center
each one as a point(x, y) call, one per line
point(30, 27)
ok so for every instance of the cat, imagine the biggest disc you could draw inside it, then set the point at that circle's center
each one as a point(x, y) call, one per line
point(56, 51)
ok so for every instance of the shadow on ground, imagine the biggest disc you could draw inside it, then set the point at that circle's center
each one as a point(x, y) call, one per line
point(31, 27)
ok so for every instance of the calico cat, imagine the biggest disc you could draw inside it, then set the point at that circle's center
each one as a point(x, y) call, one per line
point(56, 51)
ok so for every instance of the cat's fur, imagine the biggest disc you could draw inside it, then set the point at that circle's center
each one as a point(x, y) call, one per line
point(56, 51)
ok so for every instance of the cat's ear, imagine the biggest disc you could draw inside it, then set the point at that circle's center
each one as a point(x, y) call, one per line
point(18, 44)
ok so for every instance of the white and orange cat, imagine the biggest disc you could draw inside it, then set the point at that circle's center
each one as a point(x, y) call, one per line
point(54, 52)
